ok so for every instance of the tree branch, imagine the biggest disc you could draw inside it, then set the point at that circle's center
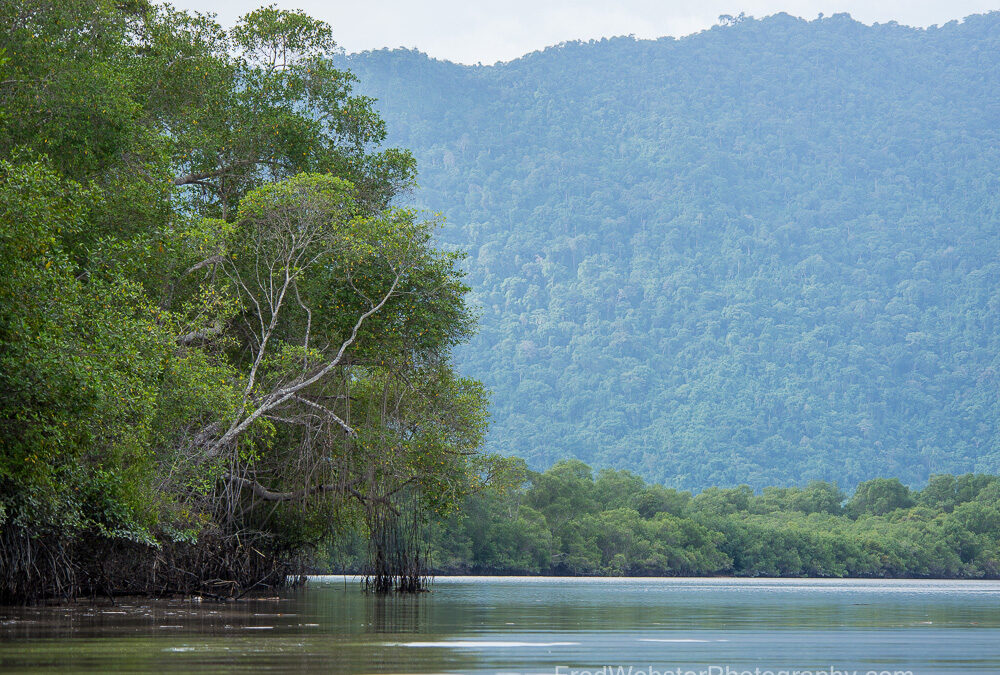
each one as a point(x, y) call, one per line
point(192, 178)
point(214, 260)
point(276, 398)
point(267, 495)
point(201, 335)
point(343, 425)
point(262, 492)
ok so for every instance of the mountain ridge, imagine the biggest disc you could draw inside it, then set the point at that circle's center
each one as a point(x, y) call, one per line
point(725, 21)
point(763, 253)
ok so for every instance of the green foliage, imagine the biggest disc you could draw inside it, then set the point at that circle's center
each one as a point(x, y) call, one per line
point(761, 254)
point(79, 366)
point(879, 497)
point(817, 497)
point(214, 331)
point(559, 522)
point(946, 492)
point(723, 501)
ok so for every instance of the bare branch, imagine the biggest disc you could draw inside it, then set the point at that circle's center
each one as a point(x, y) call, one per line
point(270, 496)
point(214, 260)
point(329, 413)
point(199, 177)
point(201, 335)
point(282, 395)
point(267, 495)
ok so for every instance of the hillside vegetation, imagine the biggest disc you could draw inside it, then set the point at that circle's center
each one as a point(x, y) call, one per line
point(762, 254)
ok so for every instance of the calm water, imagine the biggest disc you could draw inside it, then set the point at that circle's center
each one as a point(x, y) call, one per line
point(528, 625)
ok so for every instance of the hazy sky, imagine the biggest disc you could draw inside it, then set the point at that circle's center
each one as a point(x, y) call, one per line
point(468, 32)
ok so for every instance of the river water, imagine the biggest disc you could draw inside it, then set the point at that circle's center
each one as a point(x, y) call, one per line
point(531, 625)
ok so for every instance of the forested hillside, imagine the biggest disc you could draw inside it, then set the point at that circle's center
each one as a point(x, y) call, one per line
point(765, 253)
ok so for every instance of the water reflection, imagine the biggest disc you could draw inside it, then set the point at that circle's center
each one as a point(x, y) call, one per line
point(528, 625)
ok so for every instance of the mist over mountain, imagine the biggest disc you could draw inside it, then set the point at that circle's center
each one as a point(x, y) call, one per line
point(765, 253)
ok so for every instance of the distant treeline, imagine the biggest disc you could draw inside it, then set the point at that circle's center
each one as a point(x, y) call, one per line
point(566, 521)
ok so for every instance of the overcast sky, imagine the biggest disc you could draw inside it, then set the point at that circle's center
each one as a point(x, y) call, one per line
point(469, 32)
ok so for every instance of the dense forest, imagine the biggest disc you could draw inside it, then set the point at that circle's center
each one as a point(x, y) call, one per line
point(219, 345)
point(762, 254)
point(567, 521)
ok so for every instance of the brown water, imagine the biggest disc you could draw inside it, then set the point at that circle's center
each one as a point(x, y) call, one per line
point(531, 625)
